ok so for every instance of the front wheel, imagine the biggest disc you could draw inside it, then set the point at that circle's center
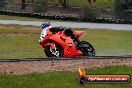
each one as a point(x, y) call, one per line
point(56, 52)
point(87, 49)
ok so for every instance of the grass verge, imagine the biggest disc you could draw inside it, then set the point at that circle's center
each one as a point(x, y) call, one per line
point(22, 41)
point(6, 17)
point(62, 79)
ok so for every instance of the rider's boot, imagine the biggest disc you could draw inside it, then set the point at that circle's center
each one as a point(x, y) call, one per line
point(76, 40)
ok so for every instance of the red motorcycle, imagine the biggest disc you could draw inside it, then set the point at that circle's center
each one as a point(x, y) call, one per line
point(59, 43)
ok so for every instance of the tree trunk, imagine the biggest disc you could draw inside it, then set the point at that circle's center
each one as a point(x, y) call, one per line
point(65, 3)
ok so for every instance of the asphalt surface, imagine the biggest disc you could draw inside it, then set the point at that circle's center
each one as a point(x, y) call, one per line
point(65, 59)
point(72, 24)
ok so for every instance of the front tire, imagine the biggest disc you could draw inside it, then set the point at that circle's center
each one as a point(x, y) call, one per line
point(57, 52)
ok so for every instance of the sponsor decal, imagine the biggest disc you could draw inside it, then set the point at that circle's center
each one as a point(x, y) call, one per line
point(102, 78)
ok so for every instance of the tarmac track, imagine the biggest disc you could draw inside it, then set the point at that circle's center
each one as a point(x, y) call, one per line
point(65, 59)
point(73, 24)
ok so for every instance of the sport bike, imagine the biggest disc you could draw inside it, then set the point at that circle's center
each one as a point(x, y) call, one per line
point(60, 44)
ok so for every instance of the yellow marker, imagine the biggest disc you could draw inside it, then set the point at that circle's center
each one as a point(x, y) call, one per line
point(82, 72)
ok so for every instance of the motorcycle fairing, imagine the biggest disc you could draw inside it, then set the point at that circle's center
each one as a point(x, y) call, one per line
point(68, 50)
point(63, 40)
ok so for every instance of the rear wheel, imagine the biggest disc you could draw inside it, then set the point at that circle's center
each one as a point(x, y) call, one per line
point(56, 52)
point(88, 50)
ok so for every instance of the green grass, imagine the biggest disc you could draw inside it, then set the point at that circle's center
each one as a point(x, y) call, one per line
point(21, 42)
point(6, 17)
point(62, 79)
point(105, 3)
point(18, 43)
point(110, 42)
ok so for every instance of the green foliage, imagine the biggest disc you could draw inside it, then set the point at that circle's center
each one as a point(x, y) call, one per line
point(40, 2)
point(2, 3)
point(87, 12)
point(100, 3)
point(64, 3)
point(119, 8)
point(105, 3)
point(39, 6)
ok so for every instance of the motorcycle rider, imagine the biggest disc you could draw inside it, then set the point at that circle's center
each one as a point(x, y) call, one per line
point(67, 31)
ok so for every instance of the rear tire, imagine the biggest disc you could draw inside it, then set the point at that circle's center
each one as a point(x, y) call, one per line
point(89, 51)
point(57, 53)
